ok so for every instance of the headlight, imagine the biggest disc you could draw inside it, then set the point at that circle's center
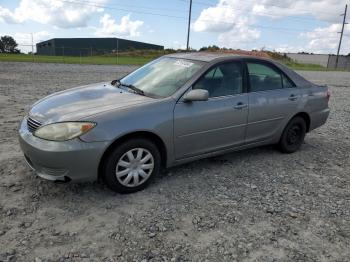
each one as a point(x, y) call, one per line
point(63, 131)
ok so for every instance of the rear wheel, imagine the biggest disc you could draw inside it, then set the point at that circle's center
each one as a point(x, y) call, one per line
point(293, 135)
point(131, 165)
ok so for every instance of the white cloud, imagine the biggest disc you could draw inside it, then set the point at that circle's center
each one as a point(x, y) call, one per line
point(287, 48)
point(7, 16)
point(24, 40)
point(177, 45)
point(63, 14)
point(126, 27)
point(232, 19)
point(239, 36)
point(235, 21)
point(326, 39)
point(324, 10)
point(215, 19)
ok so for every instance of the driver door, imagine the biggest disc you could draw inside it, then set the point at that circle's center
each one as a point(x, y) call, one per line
point(219, 123)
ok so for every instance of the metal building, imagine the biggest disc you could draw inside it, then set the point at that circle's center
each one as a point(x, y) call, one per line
point(90, 46)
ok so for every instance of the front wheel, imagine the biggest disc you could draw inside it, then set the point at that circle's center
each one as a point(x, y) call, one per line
point(293, 135)
point(131, 165)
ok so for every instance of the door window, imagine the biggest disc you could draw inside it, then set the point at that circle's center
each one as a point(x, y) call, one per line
point(222, 80)
point(263, 77)
point(287, 83)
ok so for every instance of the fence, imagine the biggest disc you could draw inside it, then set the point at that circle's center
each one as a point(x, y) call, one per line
point(343, 62)
point(328, 61)
point(91, 55)
point(70, 55)
point(321, 60)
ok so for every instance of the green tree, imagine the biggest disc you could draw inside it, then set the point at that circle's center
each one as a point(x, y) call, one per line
point(8, 45)
point(210, 48)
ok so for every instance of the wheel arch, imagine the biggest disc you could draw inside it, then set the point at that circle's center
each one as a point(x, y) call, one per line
point(306, 117)
point(138, 134)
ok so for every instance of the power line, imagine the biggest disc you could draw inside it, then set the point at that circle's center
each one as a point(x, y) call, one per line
point(273, 5)
point(302, 19)
point(145, 7)
point(120, 9)
point(177, 17)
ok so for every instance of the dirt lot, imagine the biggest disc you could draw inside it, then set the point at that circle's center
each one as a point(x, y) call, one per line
point(255, 205)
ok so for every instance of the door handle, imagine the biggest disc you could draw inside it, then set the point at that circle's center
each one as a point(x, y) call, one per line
point(240, 105)
point(293, 97)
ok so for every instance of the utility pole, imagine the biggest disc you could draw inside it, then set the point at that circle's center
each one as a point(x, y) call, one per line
point(63, 54)
point(117, 50)
point(189, 26)
point(32, 47)
point(341, 35)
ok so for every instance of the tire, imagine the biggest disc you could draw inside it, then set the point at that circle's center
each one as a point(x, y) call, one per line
point(123, 174)
point(293, 135)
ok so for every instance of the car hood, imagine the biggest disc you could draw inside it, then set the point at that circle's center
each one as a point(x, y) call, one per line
point(80, 102)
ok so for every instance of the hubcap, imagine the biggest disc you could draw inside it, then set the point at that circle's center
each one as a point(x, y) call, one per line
point(294, 135)
point(134, 167)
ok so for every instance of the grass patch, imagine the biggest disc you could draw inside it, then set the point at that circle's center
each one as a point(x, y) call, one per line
point(309, 67)
point(97, 60)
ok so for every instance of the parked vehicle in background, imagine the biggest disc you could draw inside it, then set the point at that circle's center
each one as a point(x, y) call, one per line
point(175, 109)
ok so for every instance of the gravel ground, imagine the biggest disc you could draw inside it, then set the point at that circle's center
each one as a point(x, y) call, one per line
point(255, 205)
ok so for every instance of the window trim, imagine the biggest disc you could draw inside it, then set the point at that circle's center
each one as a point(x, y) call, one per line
point(268, 64)
point(244, 78)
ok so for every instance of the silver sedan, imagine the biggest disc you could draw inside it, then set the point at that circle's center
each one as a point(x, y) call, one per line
point(173, 110)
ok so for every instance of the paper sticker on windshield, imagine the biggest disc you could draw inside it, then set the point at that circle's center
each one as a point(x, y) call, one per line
point(183, 63)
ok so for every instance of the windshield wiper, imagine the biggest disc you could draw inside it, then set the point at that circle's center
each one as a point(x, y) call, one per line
point(133, 88)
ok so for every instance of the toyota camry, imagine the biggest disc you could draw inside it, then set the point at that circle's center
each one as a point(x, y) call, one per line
point(175, 109)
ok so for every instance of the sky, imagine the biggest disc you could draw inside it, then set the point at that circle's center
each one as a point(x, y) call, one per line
point(276, 25)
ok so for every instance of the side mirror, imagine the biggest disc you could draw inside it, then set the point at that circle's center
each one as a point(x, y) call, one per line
point(196, 95)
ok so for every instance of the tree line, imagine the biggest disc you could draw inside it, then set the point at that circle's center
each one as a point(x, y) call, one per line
point(9, 45)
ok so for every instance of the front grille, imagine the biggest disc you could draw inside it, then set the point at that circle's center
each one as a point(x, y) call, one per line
point(32, 124)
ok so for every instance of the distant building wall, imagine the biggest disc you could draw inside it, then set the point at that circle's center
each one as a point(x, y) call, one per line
point(310, 59)
point(343, 62)
point(90, 46)
point(46, 47)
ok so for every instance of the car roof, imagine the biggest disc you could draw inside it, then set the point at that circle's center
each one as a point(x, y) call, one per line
point(212, 56)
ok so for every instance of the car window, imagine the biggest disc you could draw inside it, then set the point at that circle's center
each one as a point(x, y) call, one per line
point(214, 73)
point(287, 83)
point(263, 77)
point(222, 80)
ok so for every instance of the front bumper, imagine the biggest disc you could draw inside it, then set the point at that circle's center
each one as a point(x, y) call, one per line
point(61, 161)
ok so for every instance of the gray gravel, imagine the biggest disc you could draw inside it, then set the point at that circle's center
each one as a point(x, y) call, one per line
point(255, 205)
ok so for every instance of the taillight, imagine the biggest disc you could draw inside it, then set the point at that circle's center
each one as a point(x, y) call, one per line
point(328, 94)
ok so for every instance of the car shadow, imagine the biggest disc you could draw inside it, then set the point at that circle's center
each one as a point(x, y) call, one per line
point(99, 190)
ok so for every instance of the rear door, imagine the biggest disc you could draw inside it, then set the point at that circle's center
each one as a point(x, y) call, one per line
point(273, 99)
point(206, 126)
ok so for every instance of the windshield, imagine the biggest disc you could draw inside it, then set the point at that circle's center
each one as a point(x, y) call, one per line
point(162, 77)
